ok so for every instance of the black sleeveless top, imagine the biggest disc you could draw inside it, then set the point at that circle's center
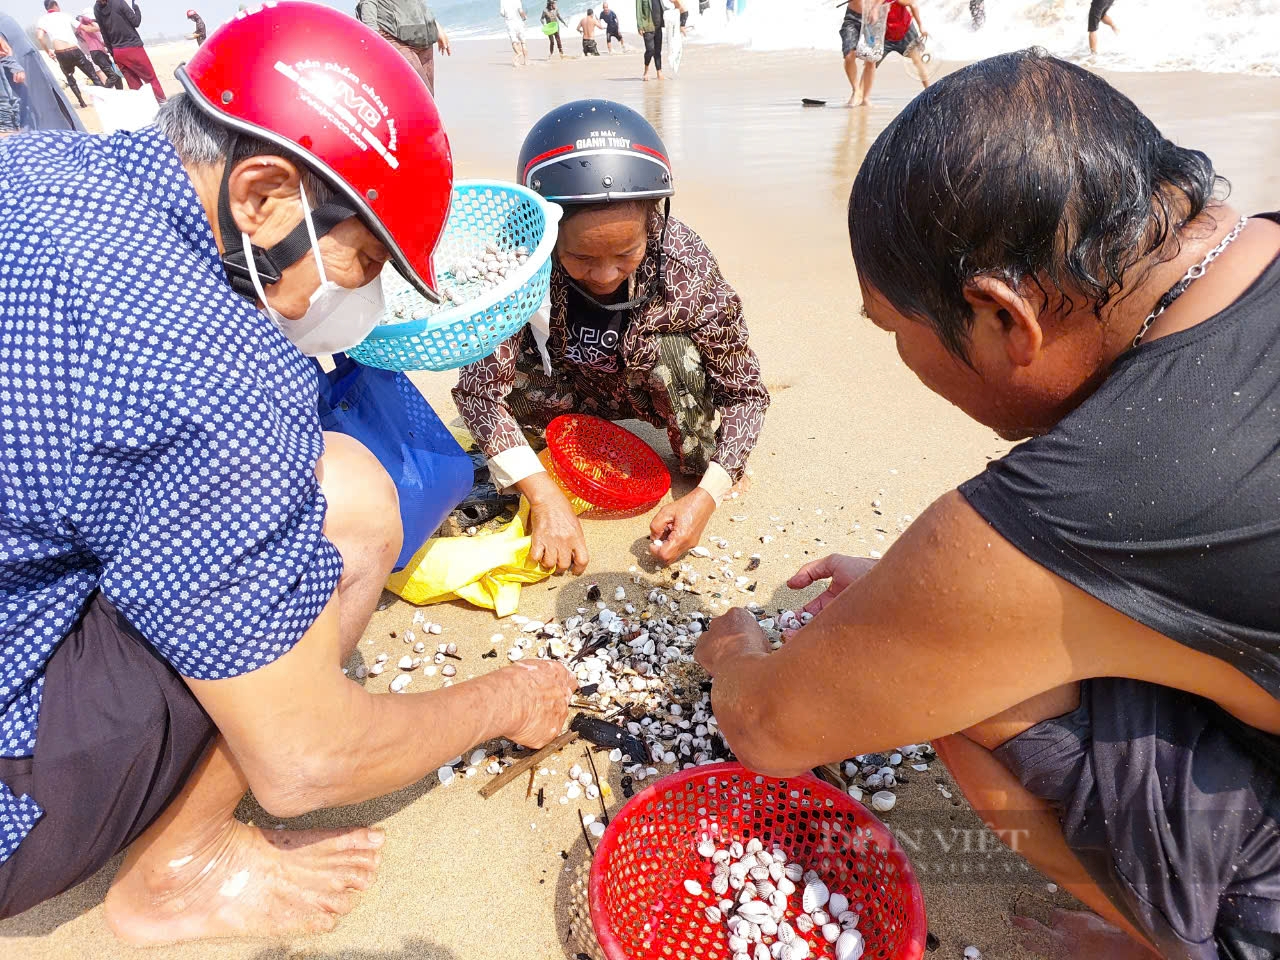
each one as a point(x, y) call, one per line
point(1160, 494)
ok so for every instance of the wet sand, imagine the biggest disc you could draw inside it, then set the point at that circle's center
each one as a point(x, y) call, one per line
point(765, 182)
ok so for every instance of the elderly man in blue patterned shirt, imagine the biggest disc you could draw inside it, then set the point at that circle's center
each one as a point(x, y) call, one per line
point(186, 560)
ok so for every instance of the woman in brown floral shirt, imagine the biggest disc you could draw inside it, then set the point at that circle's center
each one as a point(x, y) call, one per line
point(641, 325)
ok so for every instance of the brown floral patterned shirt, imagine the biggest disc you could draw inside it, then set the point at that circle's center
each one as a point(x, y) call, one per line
point(697, 302)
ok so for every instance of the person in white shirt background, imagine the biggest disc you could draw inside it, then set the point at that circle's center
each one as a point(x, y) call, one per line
point(56, 33)
point(513, 13)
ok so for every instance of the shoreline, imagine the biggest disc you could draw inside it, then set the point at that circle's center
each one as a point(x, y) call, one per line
point(764, 181)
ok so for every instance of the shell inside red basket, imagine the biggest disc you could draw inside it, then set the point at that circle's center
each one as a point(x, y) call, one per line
point(641, 908)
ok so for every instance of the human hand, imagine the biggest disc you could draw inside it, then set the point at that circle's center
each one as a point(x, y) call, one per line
point(679, 525)
point(841, 570)
point(442, 41)
point(728, 638)
point(52, 56)
point(557, 540)
point(538, 692)
point(20, 77)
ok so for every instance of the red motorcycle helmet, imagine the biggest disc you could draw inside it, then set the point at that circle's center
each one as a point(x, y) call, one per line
point(334, 95)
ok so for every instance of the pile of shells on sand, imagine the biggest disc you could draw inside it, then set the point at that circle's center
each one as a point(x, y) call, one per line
point(773, 908)
point(871, 778)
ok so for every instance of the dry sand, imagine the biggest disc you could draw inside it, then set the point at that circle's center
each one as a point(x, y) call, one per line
point(765, 183)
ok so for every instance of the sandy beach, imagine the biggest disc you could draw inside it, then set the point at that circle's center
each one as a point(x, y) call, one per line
point(765, 182)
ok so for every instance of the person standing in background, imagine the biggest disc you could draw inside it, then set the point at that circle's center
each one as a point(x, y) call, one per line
point(42, 105)
point(410, 27)
point(612, 30)
point(649, 23)
point(978, 13)
point(1099, 12)
point(118, 20)
point(513, 15)
point(551, 18)
point(56, 34)
point(90, 38)
point(588, 26)
point(11, 77)
point(200, 32)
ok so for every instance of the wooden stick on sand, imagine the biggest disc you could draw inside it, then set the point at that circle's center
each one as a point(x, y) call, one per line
point(528, 763)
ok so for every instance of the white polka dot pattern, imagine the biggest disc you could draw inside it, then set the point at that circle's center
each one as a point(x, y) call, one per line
point(158, 435)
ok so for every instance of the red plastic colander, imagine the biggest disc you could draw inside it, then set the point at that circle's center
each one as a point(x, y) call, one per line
point(640, 909)
point(607, 466)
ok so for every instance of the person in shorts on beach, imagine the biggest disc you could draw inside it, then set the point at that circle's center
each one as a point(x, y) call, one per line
point(1090, 626)
point(1099, 13)
point(612, 30)
point(641, 325)
point(513, 15)
point(56, 33)
point(903, 36)
point(587, 26)
point(187, 561)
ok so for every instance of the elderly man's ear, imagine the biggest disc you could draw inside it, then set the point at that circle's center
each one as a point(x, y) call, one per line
point(1002, 315)
point(263, 195)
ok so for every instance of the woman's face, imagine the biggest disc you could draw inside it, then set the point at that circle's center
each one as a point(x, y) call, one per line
point(601, 248)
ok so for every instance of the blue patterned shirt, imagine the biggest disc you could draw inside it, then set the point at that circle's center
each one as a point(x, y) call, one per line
point(158, 435)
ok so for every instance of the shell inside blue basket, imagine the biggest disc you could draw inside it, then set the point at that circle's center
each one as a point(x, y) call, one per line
point(462, 280)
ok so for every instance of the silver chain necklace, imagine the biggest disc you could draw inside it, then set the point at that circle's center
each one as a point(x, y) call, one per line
point(1195, 273)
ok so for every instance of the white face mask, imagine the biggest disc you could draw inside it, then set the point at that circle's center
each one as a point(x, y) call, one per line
point(337, 318)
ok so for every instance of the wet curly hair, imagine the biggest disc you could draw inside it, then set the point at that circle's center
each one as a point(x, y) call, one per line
point(1026, 168)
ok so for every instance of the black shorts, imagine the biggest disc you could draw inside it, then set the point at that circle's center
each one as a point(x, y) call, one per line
point(613, 33)
point(118, 735)
point(1173, 806)
point(851, 28)
point(1097, 10)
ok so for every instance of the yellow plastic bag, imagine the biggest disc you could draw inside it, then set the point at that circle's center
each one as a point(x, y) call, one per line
point(486, 570)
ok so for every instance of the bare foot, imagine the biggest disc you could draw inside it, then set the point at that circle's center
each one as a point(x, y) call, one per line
point(855, 101)
point(1077, 935)
point(249, 882)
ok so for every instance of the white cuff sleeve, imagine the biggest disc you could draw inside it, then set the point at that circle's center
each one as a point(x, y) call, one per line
point(717, 482)
point(511, 466)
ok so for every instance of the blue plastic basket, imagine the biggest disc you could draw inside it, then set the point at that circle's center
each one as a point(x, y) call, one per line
point(447, 336)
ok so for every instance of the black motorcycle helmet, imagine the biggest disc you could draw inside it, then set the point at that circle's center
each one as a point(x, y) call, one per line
point(591, 152)
point(595, 151)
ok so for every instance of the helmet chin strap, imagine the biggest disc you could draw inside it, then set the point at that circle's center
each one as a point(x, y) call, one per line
point(272, 263)
point(644, 299)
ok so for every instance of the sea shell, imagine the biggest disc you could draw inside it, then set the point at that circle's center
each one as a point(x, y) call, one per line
point(849, 945)
point(735, 850)
point(720, 856)
point(754, 845)
point(712, 914)
point(786, 932)
point(769, 928)
point(819, 917)
point(720, 885)
point(754, 911)
point(761, 952)
point(848, 919)
point(693, 887)
point(400, 682)
point(883, 801)
point(739, 944)
point(765, 889)
point(972, 953)
point(797, 949)
point(776, 950)
point(786, 886)
point(837, 904)
point(446, 775)
point(726, 907)
point(449, 670)
point(794, 872)
point(815, 895)
point(759, 873)
point(803, 923)
point(777, 872)
point(831, 932)
point(477, 757)
point(778, 900)
point(706, 849)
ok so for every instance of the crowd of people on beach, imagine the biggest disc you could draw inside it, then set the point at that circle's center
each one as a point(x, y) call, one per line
point(187, 560)
point(651, 24)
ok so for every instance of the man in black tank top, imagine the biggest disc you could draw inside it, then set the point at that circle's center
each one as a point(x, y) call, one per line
point(1091, 627)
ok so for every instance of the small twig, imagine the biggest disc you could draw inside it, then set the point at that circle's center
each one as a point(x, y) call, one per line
point(579, 704)
point(604, 813)
point(518, 769)
point(585, 835)
point(529, 791)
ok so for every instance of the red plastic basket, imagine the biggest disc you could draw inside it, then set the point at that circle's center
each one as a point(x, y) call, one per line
point(641, 911)
point(607, 466)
